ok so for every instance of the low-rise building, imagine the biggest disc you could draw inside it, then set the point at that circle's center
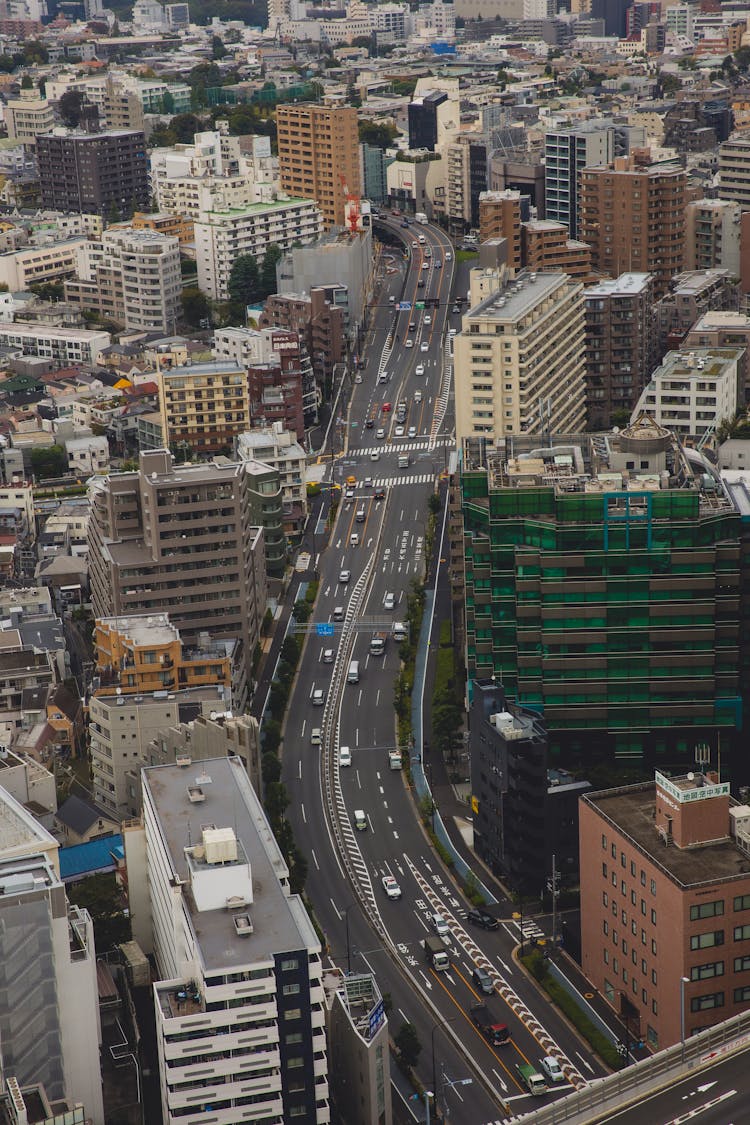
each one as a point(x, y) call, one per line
point(33, 264)
point(692, 393)
point(28, 116)
point(690, 295)
point(87, 454)
point(64, 347)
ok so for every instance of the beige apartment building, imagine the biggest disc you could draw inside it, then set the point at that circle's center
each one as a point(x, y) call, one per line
point(734, 169)
point(27, 116)
point(319, 154)
point(500, 216)
point(633, 218)
point(519, 359)
point(204, 406)
point(179, 540)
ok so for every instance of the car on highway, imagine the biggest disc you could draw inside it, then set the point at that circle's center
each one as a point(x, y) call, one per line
point(399, 431)
point(375, 455)
point(315, 736)
point(380, 433)
point(369, 423)
point(368, 482)
point(425, 265)
point(349, 494)
point(354, 539)
point(408, 343)
point(440, 926)
point(448, 256)
point(452, 332)
point(412, 431)
point(380, 494)
point(427, 318)
point(551, 1070)
point(351, 481)
point(338, 613)
point(420, 283)
point(391, 887)
point(455, 310)
point(318, 697)
point(344, 577)
point(415, 245)
point(484, 921)
point(483, 981)
point(328, 655)
point(424, 346)
point(418, 394)
point(419, 370)
point(389, 601)
point(383, 377)
point(438, 263)
point(358, 378)
point(386, 407)
point(412, 325)
point(345, 756)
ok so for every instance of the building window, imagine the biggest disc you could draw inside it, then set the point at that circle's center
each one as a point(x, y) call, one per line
point(653, 917)
point(709, 939)
point(290, 965)
point(742, 902)
point(653, 946)
point(643, 878)
point(651, 1036)
point(653, 886)
point(606, 956)
point(609, 990)
point(742, 995)
point(614, 851)
point(294, 1062)
point(742, 933)
point(604, 838)
point(742, 964)
point(654, 1008)
point(605, 924)
point(707, 910)
point(293, 1014)
point(605, 899)
point(705, 1003)
point(295, 1037)
point(290, 989)
point(705, 972)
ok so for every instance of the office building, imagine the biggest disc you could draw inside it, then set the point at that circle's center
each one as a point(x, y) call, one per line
point(622, 624)
point(620, 349)
point(525, 812)
point(692, 392)
point(358, 1045)
point(239, 968)
point(221, 236)
point(665, 903)
point(318, 149)
point(423, 119)
point(465, 161)
point(519, 359)
point(724, 329)
point(49, 1003)
point(566, 153)
point(131, 276)
point(633, 217)
point(102, 173)
point(140, 551)
point(734, 169)
point(713, 235)
point(517, 175)
point(28, 116)
point(203, 406)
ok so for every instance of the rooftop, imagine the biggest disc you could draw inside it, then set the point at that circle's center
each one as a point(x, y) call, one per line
point(249, 209)
point(143, 629)
point(519, 296)
point(631, 811)
point(213, 367)
point(625, 285)
point(698, 364)
point(279, 920)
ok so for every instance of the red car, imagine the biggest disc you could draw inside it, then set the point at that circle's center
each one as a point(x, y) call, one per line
point(386, 407)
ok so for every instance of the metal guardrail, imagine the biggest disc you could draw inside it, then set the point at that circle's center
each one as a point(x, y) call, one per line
point(598, 1100)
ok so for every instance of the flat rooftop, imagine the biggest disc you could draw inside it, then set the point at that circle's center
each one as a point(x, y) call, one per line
point(143, 629)
point(250, 209)
point(627, 284)
point(697, 364)
point(280, 921)
point(631, 811)
point(519, 295)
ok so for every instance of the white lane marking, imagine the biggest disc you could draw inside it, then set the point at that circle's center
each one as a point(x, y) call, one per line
point(303, 813)
point(300, 769)
point(339, 915)
point(315, 858)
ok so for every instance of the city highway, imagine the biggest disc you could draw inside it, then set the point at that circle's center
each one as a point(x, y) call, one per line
point(379, 539)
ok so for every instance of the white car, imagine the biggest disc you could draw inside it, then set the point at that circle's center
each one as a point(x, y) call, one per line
point(415, 245)
point(419, 370)
point(425, 265)
point(412, 431)
point(380, 433)
point(315, 736)
point(389, 601)
point(399, 431)
point(318, 697)
point(448, 256)
point(424, 346)
point(391, 887)
point(354, 539)
point(408, 343)
point(418, 394)
point(349, 494)
point(344, 577)
point(367, 482)
point(345, 756)
point(375, 455)
point(552, 1070)
point(328, 655)
point(441, 927)
point(428, 319)
point(452, 331)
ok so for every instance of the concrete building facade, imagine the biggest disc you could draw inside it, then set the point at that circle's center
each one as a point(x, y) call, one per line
point(620, 347)
point(204, 406)
point(692, 392)
point(566, 153)
point(734, 169)
point(94, 172)
point(318, 149)
point(713, 236)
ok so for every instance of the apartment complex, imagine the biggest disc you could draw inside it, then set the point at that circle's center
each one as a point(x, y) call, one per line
point(240, 988)
point(94, 172)
point(566, 153)
point(165, 530)
point(724, 329)
point(28, 116)
point(714, 235)
point(620, 346)
point(279, 374)
point(734, 169)
point(602, 588)
point(500, 216)
point(222, 235)
point(665, 903)
point(519, 359)
point(545, 246)
point(691, 295)
point(693, 392)
point(63, 346)
point(278, 448)
point(132, 276)
point(29, 264)
point(319, 155)
point(633, 217)
point(204, 405)
point(49, 1002)
point(321, 316)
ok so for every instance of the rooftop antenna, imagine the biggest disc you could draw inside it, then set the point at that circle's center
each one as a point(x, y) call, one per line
point(702, 755)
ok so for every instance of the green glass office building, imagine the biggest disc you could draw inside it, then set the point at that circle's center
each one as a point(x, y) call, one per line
point(602, 580)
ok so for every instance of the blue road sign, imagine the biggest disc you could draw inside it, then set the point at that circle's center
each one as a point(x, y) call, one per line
point(324, 629)
point(404, 306)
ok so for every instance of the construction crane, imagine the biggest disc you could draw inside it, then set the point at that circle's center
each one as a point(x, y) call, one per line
point(354, 209)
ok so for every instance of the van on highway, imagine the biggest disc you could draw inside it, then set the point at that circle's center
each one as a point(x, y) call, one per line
point(403, 461)
point(360, 517)
point(360, 820)
point(352, 676)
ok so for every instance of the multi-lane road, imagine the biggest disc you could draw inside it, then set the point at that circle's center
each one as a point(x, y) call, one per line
point(376, 549)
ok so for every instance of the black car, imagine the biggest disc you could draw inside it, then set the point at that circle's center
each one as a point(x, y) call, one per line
point(484, 921)
point(380, 494)
point(369, 424)
point(420, 283)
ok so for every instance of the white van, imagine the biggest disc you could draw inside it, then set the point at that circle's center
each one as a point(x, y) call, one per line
point(360, 517)
point(345, 756)
point(352, 676)
point(360, 820)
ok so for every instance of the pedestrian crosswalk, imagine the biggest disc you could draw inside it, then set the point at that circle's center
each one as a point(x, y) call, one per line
point(398, 479)
point(384, 447)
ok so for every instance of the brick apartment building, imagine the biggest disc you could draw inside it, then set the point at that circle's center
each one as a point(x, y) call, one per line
point(322, 319)
point(94, 173)
point(319, 153)
point(620, 350)
point(633, 217)
point(665, 903)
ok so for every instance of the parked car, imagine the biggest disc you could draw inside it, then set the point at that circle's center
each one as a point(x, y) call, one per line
point(484, 921)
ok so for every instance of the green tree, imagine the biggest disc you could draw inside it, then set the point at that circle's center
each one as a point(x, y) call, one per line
point(167, 102)
point(49, 462)
point(377, 134)
point(70, 106)
point(26, 82)
point(268, 270)
point(113, 215)
point(48, 290)
point(185, 126)
point(271, 768)
point(196, 307)
point(218, 50)
point(407, 1044)
point(244, 281)
point(99, 894)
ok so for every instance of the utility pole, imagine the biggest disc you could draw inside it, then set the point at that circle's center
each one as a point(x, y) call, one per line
point(553, 886)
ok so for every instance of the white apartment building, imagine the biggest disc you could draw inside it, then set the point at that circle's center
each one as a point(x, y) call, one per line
point(49, 1003)
point(221, 236)
point(519, 360)
point(280, 449)
point(693, 392)
point(566, 153)
point(212, 173)
point(88, 454)
point(27, 116)
point(132, 276)
point(240, 1004)
point(734, 169)
point(65, 346)
point(49, 262)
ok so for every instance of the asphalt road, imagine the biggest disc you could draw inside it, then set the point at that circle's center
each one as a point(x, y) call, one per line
point(390, 545)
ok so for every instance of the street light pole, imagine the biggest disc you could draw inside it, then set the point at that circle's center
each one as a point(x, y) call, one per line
point(427, 1095)
point(449, 1019)
point(348, 945)
point(683, 982)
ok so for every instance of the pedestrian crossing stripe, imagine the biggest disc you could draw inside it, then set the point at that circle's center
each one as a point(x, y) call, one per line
point(392, 482)
point(400, 447)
